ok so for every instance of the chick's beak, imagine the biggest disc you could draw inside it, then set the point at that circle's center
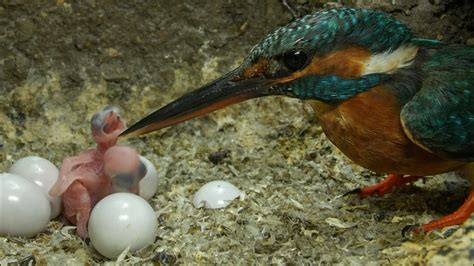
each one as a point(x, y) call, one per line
point(229, 89)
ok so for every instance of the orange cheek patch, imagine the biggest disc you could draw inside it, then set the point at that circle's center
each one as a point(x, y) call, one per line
point(256, 69)
point(346, 63)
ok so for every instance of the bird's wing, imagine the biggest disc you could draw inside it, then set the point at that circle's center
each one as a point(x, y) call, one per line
point(440, 117)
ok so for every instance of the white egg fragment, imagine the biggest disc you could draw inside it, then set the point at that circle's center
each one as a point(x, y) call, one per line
point(120, 221)
point(41, 172)
point(149, 184)
point(24, 209)
point(215, 195)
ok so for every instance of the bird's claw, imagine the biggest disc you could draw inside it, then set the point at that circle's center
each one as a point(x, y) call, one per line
point(351, 192)
point(411, 229)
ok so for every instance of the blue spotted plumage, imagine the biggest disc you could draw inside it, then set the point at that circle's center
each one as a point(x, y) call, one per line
point(390, 101)
point(323, 31)
point(440, 116)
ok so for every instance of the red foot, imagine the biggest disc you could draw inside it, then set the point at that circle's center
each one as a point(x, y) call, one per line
point(457, 217)
point(387, 185)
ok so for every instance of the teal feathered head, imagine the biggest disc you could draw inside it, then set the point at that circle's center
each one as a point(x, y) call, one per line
point(295, 46)
point(329, 56)
point(321, 32)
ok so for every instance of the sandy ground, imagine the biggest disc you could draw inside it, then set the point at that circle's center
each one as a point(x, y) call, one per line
point(62, 62)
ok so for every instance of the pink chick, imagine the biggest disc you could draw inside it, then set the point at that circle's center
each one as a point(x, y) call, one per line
point(84, 180)
point(123, 165)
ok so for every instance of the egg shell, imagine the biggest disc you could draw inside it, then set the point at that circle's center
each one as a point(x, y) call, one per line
point(41, 172)
point(149, 183)
point(24, 209)
point(216, 194)
point(122, 220)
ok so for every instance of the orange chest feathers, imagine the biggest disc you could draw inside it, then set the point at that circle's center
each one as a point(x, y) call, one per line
point(367, 129)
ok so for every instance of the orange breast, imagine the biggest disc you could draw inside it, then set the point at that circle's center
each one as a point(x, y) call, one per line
point(367, 129)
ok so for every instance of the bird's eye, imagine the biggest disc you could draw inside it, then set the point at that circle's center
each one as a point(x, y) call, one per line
point(295, 60)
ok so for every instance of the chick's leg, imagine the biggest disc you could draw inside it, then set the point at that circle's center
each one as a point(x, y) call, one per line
point(77, 207)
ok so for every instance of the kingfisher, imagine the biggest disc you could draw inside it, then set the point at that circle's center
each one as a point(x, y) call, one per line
point(390, 101)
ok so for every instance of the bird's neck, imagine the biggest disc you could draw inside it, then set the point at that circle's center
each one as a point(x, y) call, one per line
point(406, 82)
point(320, 107)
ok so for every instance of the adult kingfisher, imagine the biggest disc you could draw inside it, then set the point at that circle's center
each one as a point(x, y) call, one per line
point(391, 102)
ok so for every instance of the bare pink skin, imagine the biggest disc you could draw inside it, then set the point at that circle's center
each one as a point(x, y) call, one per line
point(86, 178)
point(122, 164)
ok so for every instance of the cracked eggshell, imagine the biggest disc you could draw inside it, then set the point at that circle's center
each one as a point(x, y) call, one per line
point(24, 209)
point(41, 172)
point(149, 183)
point(215, 195)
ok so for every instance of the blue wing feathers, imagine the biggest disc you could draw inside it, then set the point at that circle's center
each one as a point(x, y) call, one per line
point(440, 116)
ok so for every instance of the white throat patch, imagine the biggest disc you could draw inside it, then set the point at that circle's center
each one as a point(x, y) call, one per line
point(389, 61)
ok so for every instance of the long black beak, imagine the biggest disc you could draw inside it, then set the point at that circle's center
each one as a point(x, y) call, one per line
point(227, 90)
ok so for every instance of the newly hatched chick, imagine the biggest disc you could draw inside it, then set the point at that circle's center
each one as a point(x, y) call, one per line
point(86, 178)
point(123, 165)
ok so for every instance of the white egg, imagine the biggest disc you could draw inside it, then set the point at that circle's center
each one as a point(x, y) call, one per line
point(149, 184)
point(215, 195)
point(24, 209)
point(41, 172)
point(122, 220)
